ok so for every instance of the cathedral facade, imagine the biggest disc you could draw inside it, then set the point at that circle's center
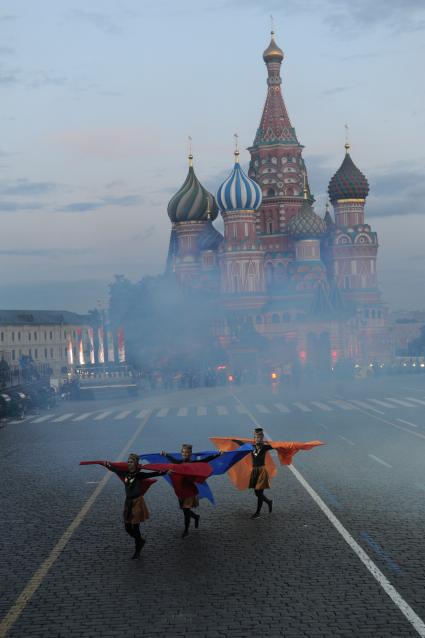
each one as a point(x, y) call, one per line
point(306, 283)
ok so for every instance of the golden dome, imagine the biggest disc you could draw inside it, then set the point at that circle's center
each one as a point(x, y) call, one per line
point(273, 53)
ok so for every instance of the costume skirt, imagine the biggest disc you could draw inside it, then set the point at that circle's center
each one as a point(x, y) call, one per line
point(259, 479)
point(189, 502)
point(135, 510)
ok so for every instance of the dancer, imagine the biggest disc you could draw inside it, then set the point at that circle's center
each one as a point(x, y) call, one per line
point(187, 503)
point(259, 479)
point(136, 483)
point(256, 470)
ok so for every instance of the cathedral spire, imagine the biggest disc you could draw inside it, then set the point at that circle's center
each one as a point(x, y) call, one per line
point(275, 125)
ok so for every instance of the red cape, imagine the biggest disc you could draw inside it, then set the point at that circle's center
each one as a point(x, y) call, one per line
point(184, 476)
point(123, 467)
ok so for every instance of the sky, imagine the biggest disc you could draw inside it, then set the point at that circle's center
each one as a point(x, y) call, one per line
point(97, 100)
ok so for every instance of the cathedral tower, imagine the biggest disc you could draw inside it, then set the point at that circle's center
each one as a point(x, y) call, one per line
point(242, 256)
point(194, 240)
point(276, 160)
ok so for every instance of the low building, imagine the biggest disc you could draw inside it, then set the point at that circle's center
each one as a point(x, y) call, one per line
point(50, 338)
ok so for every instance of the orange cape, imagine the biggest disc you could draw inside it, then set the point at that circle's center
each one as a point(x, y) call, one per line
point(240, 473)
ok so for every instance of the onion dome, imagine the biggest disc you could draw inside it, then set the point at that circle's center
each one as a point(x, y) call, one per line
point(210, 238)
point(306, 224)
point(192, 202)
point(238, 191)
point(273, 53)
point(348, 182)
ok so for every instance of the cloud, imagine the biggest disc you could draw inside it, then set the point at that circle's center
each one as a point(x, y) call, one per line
point(147, 234)
point(397, 190)
point(335, 90)
point(43, 252)
point(101, 21)
point(4, 50)
point(32, 79)
point(109, 143)
point(17, 207)
point(9, 77)
point(24, 187)
point(86, 207)
point(8, 17)
point(343, 16)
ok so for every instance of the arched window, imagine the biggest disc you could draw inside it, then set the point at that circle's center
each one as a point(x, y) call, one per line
point(286, 317)
point(270, 192)
point(275, 318)
point(258, 319)
point(270, 226)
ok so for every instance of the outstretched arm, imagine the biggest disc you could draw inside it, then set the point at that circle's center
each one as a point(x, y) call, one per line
point(112, 467)
point(148, 475)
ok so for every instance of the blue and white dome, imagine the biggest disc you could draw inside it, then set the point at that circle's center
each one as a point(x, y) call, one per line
point(238, 192)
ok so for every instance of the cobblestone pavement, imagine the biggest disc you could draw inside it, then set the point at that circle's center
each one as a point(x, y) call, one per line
point(286, 574)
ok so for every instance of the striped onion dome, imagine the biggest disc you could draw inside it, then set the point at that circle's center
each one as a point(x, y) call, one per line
point(192, 202)
point(306, 224)
point(348, 182)
point(238, 191)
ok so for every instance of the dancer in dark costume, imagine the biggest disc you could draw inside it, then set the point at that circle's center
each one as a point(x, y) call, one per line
point(256, 470)
point(136, 483)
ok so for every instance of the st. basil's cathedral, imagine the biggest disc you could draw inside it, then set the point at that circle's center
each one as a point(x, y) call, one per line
point(306, 283)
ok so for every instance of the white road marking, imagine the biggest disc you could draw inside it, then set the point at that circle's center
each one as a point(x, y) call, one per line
point(40, 419)
point(405, 404)
point(63, 417)
point(222, 410)
point(162, 412)
point(83, 416)
point(302, 407)
point(201, 410)
point(343, 405)
point(322, 425)
point(21, 602)
point(417, 623)
point(415, 400)
point(398, 600)
point(241, 409)
point(102, 415)
point(365, 406)
point(142, 414)
point(182, 412)
point(407, 423)
point(282, 408)
point(383, 404)
point(344, 438)
point(262, 408)
point(322, 406)
point(378, 460)
point(122, 415)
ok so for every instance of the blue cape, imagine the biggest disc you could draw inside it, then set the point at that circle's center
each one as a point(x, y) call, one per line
point(220, 465)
